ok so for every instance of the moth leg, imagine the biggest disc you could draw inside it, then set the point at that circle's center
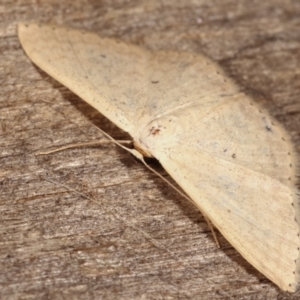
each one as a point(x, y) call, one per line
point(82, 145)
point(210, 226)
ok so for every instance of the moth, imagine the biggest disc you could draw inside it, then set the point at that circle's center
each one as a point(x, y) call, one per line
point(230, 157)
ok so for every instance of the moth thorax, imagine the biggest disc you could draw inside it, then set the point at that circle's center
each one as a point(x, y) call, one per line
point(158, 134)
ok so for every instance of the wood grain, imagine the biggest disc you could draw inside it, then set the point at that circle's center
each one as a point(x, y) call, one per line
point(92, 223)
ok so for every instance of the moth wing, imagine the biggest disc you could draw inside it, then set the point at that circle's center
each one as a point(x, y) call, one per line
point(107, 74)
point(237, 168)
point(127, 84)
point(252, 211)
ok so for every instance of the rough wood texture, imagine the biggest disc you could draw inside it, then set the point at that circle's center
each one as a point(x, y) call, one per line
point(92, 223)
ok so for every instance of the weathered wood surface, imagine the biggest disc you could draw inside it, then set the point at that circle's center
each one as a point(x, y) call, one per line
point(92, 223)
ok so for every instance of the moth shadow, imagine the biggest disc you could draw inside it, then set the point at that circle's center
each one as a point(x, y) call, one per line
point(240, 261)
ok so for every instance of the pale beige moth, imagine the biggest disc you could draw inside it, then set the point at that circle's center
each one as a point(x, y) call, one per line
point(230, 157)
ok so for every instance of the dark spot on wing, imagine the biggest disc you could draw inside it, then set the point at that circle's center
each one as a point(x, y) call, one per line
point(268, 128)
point(154, 131)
